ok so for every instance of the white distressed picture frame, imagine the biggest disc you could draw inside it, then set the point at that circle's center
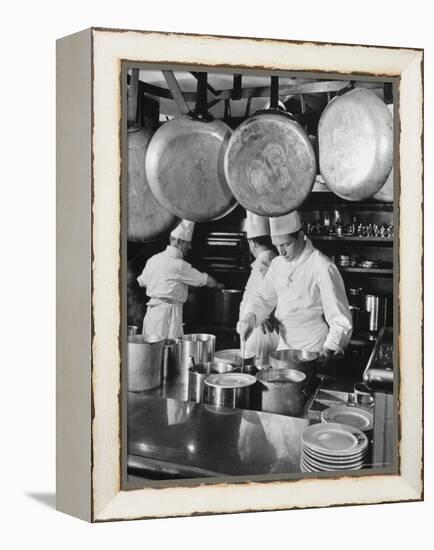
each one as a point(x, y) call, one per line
point(88, 274)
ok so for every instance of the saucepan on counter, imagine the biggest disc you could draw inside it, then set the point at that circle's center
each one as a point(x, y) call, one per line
point(231, 390)
point(282, 391)
point(198, 374)
point(301, 360)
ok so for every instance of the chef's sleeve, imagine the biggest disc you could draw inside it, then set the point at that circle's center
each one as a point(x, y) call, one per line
point(190, 276)
point(254, 281)
point(141, 279)
point(336, 309)
point(262, 301)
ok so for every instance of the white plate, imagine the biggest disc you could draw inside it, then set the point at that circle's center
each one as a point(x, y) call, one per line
point(334, 439)
point(350, 416)
point(333, 460)
point(305, 468)
point(330, 466)
point(337, 457)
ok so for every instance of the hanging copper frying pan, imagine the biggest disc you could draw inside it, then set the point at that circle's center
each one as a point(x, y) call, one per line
point(355, 144)
point(184, 163)
point(270, 163)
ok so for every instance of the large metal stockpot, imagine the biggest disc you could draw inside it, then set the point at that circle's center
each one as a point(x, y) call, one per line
point(301, 360)
point(282, 391)
point(197, 375)
point(224, 305)
point(197, 347)
point(230, 390)
point(145, 362)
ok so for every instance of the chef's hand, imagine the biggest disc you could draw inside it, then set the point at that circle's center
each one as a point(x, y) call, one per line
point(245, 326)
point(325, 356)
point(212, 283)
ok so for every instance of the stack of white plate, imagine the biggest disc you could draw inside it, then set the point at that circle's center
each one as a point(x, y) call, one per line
point(351, 416)
point(332, 447)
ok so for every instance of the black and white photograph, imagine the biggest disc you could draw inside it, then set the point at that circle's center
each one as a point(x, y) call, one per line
point(259, 274)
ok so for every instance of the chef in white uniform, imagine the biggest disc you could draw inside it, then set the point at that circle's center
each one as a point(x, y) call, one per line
point(307, 291)
point(167, 277)
point(264, 339)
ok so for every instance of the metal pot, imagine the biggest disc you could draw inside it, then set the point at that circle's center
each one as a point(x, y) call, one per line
point(282, 391)
point(302, 360)
point(224, 305)
point(234, 357)
point(169, 358)
point(145, 362)
point(200, 347)
point(270, 163)
point(197, 375)
point(230, 390)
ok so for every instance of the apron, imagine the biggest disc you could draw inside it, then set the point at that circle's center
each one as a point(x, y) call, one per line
point(163, 318)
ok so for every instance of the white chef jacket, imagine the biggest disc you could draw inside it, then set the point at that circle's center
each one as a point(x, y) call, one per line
point(310, 300)
point(167, 277)
point(259, 343)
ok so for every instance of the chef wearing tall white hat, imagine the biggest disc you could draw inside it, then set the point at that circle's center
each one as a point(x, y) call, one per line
point(307, 291)
point(167, 277)
point(264, 339)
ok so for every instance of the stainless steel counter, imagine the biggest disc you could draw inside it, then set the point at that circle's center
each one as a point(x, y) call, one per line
point(169, 437)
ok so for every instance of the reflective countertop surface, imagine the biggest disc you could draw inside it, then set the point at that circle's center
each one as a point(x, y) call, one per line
point(185, 439)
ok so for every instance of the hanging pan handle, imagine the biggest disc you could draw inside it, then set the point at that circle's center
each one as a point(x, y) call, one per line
point(133, 97)
point(347, 88)
point(201, 109)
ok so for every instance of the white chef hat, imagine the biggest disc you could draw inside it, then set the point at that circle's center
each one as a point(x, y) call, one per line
point(183, 231)
point(284, 225)
point(256, 226)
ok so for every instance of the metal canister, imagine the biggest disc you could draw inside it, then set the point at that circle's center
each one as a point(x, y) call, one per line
point(200, 347)
point(375, 305)
point(169, 358)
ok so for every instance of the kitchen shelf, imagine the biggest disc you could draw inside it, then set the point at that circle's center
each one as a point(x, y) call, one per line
point(325, 199)
point(335, 238)
point(367, 271)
